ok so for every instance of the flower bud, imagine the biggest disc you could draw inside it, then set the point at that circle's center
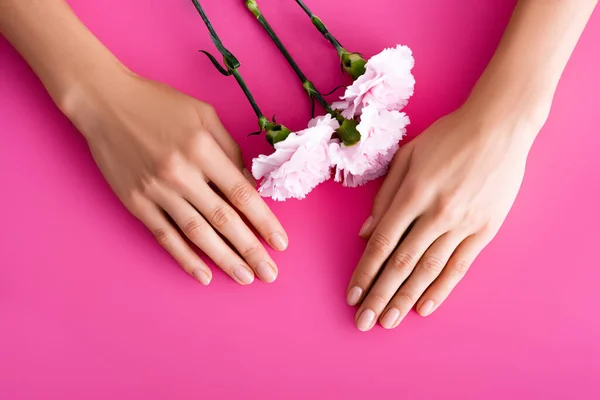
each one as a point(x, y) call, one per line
point(274, 132)
point(353, 63)
point(347, 132)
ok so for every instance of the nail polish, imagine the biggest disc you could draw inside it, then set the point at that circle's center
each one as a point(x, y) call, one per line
point(243, 274)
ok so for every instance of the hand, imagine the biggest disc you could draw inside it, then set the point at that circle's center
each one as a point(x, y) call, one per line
point(445, 197)
point(167, 156)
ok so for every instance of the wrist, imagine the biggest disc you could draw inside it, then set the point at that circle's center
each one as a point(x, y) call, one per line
point(514, 107)
point(82, 95)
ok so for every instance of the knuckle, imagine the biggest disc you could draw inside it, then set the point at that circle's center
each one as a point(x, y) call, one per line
point(432, 265)
point(414, 188)
point(241, 194)
point(379, 244)
point(378, 300)
point(161, 237)
point(199, 144)
point(461, 267)
point(208, 111)
point(250, 251)
point(363, 279)
point(168, 169)
point(221, 216)
point(403, 297)
point(402, 262)
point(450, 209)
point(194, 229)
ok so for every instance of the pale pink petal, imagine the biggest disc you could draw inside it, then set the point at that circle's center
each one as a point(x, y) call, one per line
point(299, 163)
point(380, 130)
point(388, 83)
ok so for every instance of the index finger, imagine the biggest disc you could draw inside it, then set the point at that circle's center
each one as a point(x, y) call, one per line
point(393, 226)
point(246, 199)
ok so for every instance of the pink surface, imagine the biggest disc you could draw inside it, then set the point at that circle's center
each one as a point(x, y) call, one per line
point(91, 307)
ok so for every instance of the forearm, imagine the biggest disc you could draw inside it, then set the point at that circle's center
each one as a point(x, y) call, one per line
point(58, 47)
point(524, 72)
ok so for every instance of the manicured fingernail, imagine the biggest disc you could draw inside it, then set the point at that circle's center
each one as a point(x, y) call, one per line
point(249, 176)
point(426, 308)
point(243, 274)
point(365, 228)
point(279, 242)
point(266, 272)
point(366, 320)
point(390, 318)
point(354, 296)
point(202, 276)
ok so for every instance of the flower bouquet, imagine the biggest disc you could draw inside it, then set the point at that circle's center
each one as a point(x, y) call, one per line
point(356, 138)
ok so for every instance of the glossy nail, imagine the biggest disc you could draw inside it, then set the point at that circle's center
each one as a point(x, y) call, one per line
point(365, 227)
point(390, 319)
point(266, 272)
point(426, 308)
point(354, 296)
point(279, 242)
point(202, 276)
point(243, 274)
point(366, 320)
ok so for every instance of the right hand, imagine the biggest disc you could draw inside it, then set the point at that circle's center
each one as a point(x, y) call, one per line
point(168, 157)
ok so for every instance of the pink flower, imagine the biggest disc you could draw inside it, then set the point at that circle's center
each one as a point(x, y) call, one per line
point(387, 83)
point(299, 163)
point(380, 131)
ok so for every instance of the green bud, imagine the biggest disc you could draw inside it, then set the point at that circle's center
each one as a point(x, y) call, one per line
point(274, 132)
point(253, 7)
point(353, 63)
point(347, 131)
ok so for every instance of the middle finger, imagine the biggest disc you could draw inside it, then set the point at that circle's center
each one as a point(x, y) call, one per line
point(227, 221)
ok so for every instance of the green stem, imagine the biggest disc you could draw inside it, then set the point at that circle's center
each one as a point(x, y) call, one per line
point(246, 91)
point(231, 63)
point(321, 27)
point(308, 85)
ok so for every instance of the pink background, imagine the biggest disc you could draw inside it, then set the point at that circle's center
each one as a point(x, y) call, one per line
point(91, 307)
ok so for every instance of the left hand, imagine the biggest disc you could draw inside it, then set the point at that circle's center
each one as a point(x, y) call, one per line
point(445, 197)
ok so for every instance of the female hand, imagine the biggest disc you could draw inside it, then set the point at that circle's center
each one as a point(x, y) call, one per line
point(445, 197)
point(168, 157)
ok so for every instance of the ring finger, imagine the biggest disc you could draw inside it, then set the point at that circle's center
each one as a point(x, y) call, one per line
point(228, 222)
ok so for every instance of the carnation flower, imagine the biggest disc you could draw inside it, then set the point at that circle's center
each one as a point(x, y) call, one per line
point(387, 83)
point(299, 163)
point(380, 131)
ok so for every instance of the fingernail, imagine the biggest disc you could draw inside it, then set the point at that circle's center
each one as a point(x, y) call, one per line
point(202, 276)
point(366, 320)
point(354, 296)
point(365, 228)
point(243, 274)
point(249, 176)
point(426, 308)
point(266, 272)
point(279, 242)
point(390, 318)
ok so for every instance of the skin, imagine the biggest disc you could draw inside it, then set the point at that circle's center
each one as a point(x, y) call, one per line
point(445, 197)
point(165, 154)
point(449, 190)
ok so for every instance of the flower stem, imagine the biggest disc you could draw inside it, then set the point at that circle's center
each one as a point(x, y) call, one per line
point(244, 87)
point(274, 132)
point(322, 28)
point(352, 63)
point(306, 84)
point(231, 62)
